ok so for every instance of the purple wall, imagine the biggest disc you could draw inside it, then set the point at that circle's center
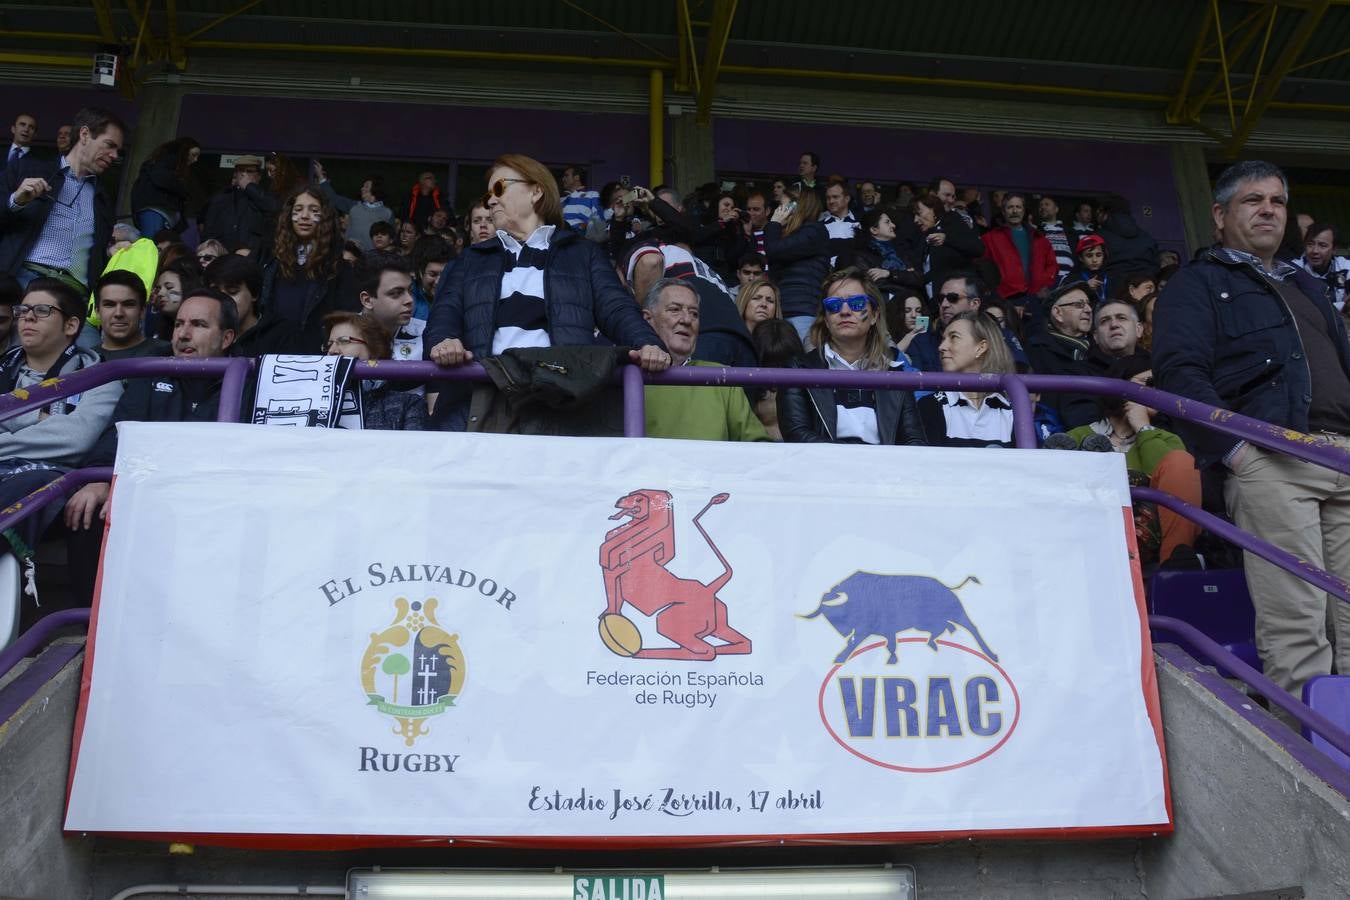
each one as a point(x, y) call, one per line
point(55, 106)
point(615, 144)
point(612, 143)
point(1140, 172)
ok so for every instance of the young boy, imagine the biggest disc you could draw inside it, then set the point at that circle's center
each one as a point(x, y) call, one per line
point(1091, 265)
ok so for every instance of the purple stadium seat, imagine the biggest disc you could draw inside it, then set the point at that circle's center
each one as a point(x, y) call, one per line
point(1214, 601)
point(1329, 695)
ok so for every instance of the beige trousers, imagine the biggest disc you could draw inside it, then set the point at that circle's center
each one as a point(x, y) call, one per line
point(1305, 509)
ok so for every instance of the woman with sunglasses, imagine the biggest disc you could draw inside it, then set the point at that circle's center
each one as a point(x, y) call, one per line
point(849, 334)
point(536, 284)
point(307, 278)
point(210, 250)
point(382, 408)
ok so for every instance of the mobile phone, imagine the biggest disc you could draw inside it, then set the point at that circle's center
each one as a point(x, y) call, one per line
point(630, 197)
point(792, 206)
point(921, 323)
point(625, 181)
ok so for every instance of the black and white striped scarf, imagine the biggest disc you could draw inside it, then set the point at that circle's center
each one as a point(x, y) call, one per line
point(522, 317)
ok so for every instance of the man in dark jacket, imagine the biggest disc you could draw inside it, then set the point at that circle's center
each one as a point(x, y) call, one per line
point(204, 328)
point(1129, 248)
point(55, 221)
point(1239, 330)
point(1062, 347)
point(241, 215)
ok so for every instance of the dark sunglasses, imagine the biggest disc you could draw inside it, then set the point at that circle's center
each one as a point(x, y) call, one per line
point(499, 187)
point(857, 303)
point(954, 297)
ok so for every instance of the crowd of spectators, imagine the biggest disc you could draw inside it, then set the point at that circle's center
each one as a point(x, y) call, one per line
point(816, 272)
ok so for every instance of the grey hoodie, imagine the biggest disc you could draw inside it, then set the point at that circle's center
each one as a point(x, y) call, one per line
point(61, 440)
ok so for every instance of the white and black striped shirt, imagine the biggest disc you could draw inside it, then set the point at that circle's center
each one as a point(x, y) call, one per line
point(1059, 239)
point(842, 232)
point(522, 317)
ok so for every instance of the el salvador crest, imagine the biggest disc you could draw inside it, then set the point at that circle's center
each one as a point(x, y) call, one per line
point(413, 669)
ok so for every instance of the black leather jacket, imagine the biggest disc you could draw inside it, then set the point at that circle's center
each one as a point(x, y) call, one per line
point(807, 415)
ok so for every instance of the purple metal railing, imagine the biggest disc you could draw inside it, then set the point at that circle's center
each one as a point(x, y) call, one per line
point(1017, 387)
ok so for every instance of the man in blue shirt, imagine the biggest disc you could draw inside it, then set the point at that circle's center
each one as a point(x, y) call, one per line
point(55, 222)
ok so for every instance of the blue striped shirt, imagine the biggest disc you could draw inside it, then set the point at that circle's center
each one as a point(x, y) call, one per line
point(68, 235)
point(578, 207)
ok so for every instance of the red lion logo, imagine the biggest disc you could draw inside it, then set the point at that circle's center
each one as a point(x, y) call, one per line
point(634, 557)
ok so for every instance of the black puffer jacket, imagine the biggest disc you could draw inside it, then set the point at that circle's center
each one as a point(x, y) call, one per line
point(809, 415)
point(581, 293)
point(1129, 248)
point(799, 262)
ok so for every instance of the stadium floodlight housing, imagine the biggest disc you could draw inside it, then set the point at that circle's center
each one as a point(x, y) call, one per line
point(822, 883)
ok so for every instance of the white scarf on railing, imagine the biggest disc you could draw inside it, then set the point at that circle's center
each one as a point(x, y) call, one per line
point(307, 391)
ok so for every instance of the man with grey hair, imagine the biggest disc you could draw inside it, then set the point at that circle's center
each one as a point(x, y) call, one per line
point(1241, 330)
point(671, 305)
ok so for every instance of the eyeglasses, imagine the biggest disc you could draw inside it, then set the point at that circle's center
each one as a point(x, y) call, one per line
point(40, 310)
point(955, 298)
point(857, 303)
point(499, 187)
point(342, 341)
point(205, 258)
point(1074, 304)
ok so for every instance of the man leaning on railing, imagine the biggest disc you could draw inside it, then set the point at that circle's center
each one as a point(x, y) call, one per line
point(38, 447)
point(1240, 330)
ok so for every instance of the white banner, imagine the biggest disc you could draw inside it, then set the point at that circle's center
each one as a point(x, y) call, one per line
point(303, 632)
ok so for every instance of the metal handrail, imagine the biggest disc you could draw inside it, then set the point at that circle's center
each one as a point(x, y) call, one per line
point(39, 635)
point(1233, 667)
point(1310, 448)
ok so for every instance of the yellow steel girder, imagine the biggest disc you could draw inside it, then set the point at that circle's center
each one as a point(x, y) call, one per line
point(719, 31)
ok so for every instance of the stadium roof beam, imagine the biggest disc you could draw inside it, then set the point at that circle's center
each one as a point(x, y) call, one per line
point(719, 31)
point(1254, 92)
point(1262, 93)
point(145, 36)
point(105, 23)
point(220, 20)
point(687, 70)
point(175, 44)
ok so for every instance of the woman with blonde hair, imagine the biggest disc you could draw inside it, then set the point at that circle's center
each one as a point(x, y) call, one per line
point(758, 301)
point(849, 333)
point(536, 284)
point(972, 344)
point(798, 248)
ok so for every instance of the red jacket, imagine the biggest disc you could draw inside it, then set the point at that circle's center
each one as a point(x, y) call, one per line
point(998, 244)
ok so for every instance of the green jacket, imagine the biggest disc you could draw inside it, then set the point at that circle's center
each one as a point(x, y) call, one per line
point(1150, 446)
point(702, 413)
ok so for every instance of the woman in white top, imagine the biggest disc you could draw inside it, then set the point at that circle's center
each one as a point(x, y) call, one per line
point(972, 343)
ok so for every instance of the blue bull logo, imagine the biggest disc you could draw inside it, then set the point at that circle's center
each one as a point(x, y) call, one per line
point(866, 604)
